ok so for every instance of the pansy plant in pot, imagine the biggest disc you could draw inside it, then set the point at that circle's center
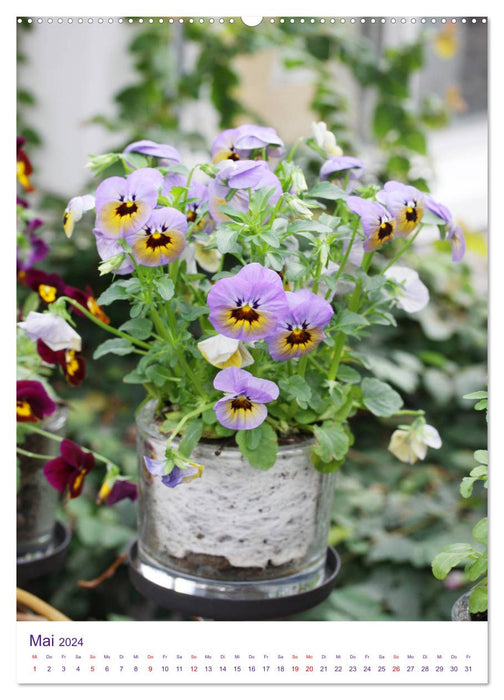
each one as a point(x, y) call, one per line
point(50, 467)
point(247, 293)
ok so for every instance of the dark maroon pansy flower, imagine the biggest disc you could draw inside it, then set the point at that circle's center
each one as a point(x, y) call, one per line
point(24, 167)
point(70, 469)
point(33, 402)
point(49, 286)
point(120, 490)
point(71, 362)
point(86, 298)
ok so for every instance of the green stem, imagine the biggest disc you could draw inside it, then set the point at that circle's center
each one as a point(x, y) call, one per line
point(405, 247)
point(410, 412)
point(105, 326)
point(33, 455)
point(353, 305)
point(197, 411)
point(348, 250)
point(294, 148)
point(57, 438)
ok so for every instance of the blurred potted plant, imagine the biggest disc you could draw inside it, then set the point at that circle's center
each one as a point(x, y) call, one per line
point(473, 605)
point(237, 263)
point(48, 464)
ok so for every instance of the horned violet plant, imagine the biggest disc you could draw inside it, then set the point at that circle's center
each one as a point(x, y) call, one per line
point(243, 261)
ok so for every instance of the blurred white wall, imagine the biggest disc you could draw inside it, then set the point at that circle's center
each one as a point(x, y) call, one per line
point(73, 70)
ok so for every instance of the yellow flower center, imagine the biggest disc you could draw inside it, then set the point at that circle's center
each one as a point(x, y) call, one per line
point(47, 293)
point(71, 362)
point(24, 410)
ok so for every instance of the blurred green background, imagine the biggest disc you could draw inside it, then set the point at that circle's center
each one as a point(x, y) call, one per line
point(410, 100)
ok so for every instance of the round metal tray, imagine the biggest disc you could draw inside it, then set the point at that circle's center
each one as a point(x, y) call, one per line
point(222, 609)
point(29, 568)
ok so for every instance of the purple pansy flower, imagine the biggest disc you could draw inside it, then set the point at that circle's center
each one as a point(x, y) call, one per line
point(178, 476)
point(161, 239)
point(249, 305)
point(243, 406)
point(33, 402)
point(405, 203)
point(168, 154)
point(123, 205)
point(238, 143)
point(302, 329)
point(34, 251)
point(70, 469)
point(454, 233)
point(342, 166)
point(242, 176)
point(378, 224)
point(157, 467)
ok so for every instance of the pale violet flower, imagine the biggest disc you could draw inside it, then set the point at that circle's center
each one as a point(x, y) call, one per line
point(223, 352)
point(53, 330)
point(410, 444)
point(75, 210)
point(325, 139)
point(177, 475)
point(413, 294)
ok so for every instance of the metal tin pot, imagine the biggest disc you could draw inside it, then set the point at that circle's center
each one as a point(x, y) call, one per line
point(236, 531)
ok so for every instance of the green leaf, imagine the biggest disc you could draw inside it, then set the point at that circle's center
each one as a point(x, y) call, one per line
point(414, 140)
point(296, 387)
point(113, 293)
point(140, 328)
point(476, 395)
point(165, 287)
point(191, 437)
point(326, 190)
point(478, 569)
point(387, 117)
point(349, 322)
point(478, 600)
point(325, 467)
point(332, 442)
point(227, 240)
point(116, 346)
point(121, 289)
point(481, 456)
point(480, 531)
point(348, 374)
point(259, 446)
point(448, 558)
point(380, 398)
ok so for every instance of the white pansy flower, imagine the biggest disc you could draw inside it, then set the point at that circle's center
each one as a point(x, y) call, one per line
point(414, 295)
point(207, 258)
point(325, 139)
point(53, 330)
point(410, 444)
point(75, 210)
point(225, 352)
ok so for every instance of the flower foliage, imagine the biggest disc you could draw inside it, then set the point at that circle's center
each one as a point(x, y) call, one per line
point(240, 261)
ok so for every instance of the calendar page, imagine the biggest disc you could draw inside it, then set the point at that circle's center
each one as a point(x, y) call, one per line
point(251, 350)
